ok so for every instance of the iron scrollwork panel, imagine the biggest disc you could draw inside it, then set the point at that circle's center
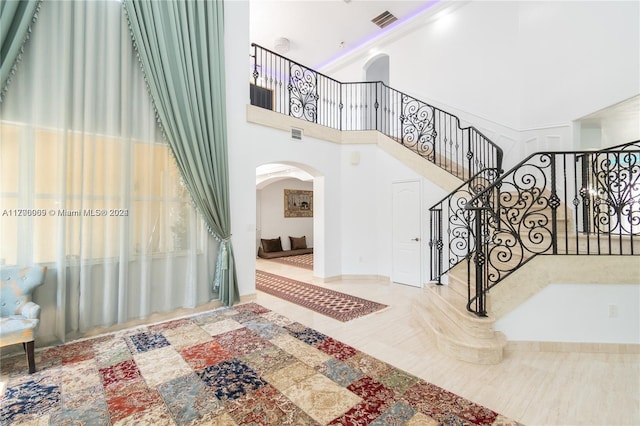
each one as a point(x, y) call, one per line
point(303, 93)
point(522, 218)
point(616, 196)
point(460, 233)
point(418, 131)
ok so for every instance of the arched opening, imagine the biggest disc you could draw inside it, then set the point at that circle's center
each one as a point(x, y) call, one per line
point(277, 181)
point(377, 69)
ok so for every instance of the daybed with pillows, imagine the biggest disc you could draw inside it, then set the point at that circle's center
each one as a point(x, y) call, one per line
point(272, 248)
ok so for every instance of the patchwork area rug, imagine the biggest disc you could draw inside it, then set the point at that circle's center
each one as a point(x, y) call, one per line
point(301, 261)
point(334, 304)
point(244, 365)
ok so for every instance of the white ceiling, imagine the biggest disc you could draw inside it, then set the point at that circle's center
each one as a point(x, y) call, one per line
point(320, 31)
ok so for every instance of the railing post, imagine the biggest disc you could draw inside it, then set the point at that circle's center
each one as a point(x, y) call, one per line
point(401, 118)
point(436, 245)
point(479, 260)
point(376, 105)
point(255, 65)
point(290, 85)
point(554, 203)
point(340, 106)
point(470, 152)
point(317, 96)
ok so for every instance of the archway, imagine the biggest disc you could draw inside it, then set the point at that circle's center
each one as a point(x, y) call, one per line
point(271, 179)
point(377, 68)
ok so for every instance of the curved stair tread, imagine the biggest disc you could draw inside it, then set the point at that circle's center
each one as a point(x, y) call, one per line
point(451, 341)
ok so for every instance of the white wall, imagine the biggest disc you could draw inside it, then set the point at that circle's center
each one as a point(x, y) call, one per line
point(596, 313)
point(520, 71)
point(352, 211)
point(576, 58)
point(242, 167)
point(272, 223)
point(359, 195)
point(352, 223)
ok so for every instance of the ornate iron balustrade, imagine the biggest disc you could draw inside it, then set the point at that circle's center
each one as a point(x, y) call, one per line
point(559, 203)
point(451, 232)
point(290, 88)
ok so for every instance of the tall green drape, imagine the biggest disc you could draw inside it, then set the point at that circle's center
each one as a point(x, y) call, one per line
point(181, 49)
point(16, 18)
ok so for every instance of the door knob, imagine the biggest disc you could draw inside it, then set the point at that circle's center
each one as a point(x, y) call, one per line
point(415, 239)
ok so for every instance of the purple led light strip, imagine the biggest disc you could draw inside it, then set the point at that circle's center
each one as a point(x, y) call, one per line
point(381, 34)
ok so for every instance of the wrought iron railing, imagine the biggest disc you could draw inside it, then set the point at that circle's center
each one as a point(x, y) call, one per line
point(560, 203)
point(450, 223)
point(290, 88)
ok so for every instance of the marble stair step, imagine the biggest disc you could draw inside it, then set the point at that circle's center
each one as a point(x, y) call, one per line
point(471, 339)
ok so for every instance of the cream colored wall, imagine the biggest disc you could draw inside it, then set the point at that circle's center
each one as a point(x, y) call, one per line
point(570, 299)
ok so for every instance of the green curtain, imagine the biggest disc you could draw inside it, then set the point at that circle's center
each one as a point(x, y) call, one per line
point(181, 49)
point(16, 18)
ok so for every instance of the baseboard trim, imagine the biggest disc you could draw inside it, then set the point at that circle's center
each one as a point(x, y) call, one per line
point(609, 348)
point(248, 298)
point(355, 278)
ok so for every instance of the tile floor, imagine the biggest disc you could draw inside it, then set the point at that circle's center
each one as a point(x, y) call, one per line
point(256, 368)
point(534, 388)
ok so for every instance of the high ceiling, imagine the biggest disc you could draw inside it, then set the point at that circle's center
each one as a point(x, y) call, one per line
point(320, 31)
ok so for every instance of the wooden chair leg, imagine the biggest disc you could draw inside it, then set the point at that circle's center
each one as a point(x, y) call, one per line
point(31, 359)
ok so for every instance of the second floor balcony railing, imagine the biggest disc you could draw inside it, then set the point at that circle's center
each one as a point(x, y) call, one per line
point(289, 88)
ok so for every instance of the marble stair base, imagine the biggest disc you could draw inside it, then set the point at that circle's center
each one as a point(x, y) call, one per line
point(457, 333)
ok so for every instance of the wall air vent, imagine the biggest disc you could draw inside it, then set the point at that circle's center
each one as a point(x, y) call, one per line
point(296, 134)
point(384, 19)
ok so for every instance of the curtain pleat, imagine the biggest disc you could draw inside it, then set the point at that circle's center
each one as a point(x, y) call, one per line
point(181, 49)
point(16, 19)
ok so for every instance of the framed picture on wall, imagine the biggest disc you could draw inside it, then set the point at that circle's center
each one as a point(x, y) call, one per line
point(298, 203)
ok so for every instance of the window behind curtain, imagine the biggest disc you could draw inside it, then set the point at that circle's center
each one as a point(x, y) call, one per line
point(87, 184)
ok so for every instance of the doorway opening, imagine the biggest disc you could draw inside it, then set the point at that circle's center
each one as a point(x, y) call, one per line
point(278, 215)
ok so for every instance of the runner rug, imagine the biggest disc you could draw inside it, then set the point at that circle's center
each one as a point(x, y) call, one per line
point(301, 261)
point(334, 304)
point(244, 365)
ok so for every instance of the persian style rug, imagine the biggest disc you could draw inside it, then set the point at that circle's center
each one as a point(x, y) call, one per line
point(301, 261)
point(244, 365)
point(334, 304)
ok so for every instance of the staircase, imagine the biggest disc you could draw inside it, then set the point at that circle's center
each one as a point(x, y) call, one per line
point(552, 203)
point(494, 223)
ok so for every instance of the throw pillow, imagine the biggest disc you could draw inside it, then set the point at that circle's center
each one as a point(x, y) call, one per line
point(271, 245)
point(298, 243)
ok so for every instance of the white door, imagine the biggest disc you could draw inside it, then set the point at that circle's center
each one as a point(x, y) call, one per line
point(406, 268)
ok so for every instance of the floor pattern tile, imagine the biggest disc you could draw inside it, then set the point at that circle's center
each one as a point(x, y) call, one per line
point(243, 365)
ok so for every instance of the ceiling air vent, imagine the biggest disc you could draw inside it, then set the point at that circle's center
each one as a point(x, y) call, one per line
point(296, 134)
point(384, 19)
